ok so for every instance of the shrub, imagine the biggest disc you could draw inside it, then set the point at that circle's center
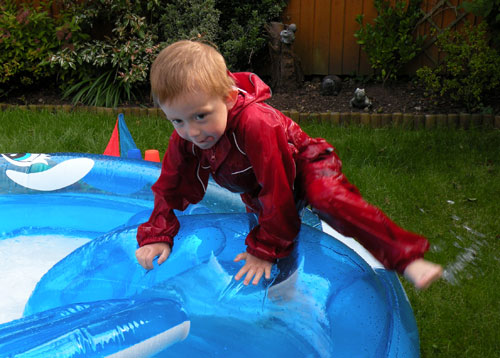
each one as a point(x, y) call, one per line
point(242, 35)
point(110, 67)
point(469, 70)
point(186, 19)
point(389, 42)
point(125, 37)
point(27, 37)
point(114, 66)
point(489, 10)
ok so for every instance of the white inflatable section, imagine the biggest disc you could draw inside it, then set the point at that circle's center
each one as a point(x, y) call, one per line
point(353, 244)
point(156, 344)
point(59, 176)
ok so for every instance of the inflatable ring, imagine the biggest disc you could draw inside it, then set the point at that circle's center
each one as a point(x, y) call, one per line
point(324, 300)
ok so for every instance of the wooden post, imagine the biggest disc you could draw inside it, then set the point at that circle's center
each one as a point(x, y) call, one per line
point(335, 118)
point(294, 115)
point(464, 120)
point(452, 120)
point(365, 119)
point(419, 121)
point(397, 119)
point(408, 121)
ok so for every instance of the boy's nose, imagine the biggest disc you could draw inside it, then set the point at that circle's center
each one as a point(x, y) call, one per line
point(193, 131)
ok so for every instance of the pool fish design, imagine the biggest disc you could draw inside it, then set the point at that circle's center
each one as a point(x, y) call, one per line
point(44, 177)
point(25, 159)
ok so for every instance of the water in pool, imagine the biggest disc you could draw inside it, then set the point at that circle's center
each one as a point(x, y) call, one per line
point(23, 261)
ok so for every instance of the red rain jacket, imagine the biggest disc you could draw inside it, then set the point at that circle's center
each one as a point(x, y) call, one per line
point(258, 157)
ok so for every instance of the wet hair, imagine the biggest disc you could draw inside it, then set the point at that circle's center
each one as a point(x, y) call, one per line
point(187, 67)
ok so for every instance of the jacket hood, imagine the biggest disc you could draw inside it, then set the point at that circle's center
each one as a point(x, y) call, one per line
point(251, 89)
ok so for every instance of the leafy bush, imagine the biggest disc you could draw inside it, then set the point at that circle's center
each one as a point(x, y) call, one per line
point(470, 69)
point(389, 42)
point(489, 10)
point(186, 19)
point(28, 36)
point(242, 23)
point(110, 67)
point(125, 37)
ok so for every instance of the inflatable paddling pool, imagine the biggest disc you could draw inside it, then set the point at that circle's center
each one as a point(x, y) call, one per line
point(325, 300)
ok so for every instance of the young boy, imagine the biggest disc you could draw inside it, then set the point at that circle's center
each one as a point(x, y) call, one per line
point(224, 128)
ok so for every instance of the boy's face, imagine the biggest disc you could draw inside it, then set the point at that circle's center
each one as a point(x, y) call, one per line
point(198, 117)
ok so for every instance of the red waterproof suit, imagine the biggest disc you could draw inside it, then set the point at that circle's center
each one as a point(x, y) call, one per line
point(274, 165)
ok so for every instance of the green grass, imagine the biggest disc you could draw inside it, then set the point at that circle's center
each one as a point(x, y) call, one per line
point(44, 132)
point(444, 184)
point(438, 183)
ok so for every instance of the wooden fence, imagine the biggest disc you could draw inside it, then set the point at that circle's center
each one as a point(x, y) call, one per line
point(325, 40)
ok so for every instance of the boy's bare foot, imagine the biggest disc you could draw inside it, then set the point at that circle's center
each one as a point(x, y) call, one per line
point(422, 273)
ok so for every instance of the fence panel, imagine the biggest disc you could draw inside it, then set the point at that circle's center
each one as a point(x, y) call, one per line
point(321, 35)
point(336, 53)
point(325, 39)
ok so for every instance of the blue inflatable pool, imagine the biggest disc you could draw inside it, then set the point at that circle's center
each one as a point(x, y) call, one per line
point(324, 300)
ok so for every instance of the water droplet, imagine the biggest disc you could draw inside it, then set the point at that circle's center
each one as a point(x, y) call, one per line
point(436, 248)
point(451, 202)
point(474, 232)
point(461, 267)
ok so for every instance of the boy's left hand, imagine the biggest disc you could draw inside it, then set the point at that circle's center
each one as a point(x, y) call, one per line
point(254, 267)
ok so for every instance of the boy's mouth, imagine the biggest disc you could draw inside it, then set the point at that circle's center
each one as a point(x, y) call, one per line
point(204, 144)
point(206, 140)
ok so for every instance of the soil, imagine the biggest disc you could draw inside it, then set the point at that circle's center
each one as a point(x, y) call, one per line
point(403, 97)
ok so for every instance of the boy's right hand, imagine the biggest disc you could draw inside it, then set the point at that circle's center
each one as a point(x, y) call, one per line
point(146, 254)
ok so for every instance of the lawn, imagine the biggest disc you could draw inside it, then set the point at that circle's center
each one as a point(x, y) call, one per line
point(444, 184)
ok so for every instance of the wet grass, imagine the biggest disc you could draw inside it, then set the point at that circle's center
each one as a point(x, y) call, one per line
point(444, 184)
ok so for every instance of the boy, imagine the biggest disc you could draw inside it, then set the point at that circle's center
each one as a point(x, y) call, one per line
point(224, 128)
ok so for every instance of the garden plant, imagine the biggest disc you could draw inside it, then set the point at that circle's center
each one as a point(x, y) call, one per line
point(123, 38)
point(470, 69)
point(389, 42)
point(28, 36)
point(489, 10)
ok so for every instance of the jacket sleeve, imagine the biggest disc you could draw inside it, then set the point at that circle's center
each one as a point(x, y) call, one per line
point(267, 148)
point(180, 183)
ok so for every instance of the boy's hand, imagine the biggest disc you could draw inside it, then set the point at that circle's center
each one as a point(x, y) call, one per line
point(146, 254)
point(254, 267)
point(422, 273)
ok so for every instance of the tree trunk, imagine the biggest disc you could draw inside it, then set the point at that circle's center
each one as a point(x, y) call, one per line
point(286, 70)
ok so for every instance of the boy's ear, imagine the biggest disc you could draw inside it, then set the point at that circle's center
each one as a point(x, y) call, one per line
point(231, 99)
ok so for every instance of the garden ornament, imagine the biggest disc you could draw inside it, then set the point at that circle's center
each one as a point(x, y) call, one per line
point(331, 85)
point(360, 100)
point(288, 34)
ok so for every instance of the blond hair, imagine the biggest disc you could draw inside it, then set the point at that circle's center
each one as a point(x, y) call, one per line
point(187, 67)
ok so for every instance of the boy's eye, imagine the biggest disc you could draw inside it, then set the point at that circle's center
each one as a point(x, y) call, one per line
point(176, 122)
point(200, 117)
